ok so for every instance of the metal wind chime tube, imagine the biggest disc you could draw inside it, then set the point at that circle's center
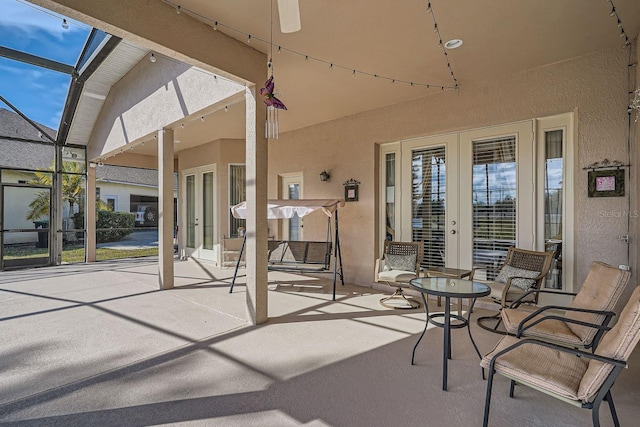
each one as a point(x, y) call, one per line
point(271, 125)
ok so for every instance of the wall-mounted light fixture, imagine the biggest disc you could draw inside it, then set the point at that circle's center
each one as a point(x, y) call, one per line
point(324, 176)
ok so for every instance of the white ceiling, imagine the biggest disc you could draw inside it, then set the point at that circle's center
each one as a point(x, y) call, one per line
point(396, 40)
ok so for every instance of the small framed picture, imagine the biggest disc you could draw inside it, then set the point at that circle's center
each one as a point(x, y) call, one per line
point(351, 193)
point(606, 183)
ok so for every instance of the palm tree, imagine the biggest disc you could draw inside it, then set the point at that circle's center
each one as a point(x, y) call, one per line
point(72, 191)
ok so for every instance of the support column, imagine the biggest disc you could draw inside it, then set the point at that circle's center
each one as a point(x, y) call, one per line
point(55, 218)
point(256, 249)
point(90, 215)
point(165, 208)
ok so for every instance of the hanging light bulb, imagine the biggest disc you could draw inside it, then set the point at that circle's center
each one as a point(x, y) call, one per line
point(613, 11)
point(178, 9)
point(202, 119)
point(152, 58)
point(249, 39)
point(215, 26)
point(65, 24)
point(226, 108)
point(429, 7)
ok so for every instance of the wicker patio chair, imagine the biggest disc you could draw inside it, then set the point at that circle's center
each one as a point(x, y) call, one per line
point(583, 322)
point(399, 264)
point(523, 270)
point(574, 376)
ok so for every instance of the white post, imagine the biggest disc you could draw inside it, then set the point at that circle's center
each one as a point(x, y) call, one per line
point(256, 248)
point(165, 208)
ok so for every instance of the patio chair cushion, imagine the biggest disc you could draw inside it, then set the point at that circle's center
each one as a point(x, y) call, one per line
point(539, 367)
point(508, 271)
point(600, 291)
point(396, 276)
point(400, 262)
point(553, 330)
point(497, 289)
point(618, 344)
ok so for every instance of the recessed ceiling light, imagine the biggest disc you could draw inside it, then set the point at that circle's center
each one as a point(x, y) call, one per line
point(452, 44)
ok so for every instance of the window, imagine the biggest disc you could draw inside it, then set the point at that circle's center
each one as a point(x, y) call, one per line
point(111, 203)
point(237, 194)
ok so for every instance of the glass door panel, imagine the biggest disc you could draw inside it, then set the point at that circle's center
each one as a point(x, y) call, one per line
point(190, 217)
point(497, 197)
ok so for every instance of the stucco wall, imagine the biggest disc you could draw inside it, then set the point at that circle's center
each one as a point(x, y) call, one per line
point(153, 96)
point(594, 87)
point(221, 153)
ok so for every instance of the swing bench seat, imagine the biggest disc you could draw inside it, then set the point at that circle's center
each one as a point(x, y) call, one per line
point(289, 255)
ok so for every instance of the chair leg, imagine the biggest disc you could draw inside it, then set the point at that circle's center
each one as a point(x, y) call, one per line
point(408, 303)
point(487, 401)
point(497, 318)
point(612, 408)
point(512, 388)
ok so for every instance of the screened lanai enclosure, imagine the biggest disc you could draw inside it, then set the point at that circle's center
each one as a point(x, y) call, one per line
point(49, 97)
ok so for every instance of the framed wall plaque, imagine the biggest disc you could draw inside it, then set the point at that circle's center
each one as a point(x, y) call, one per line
point(606, 183)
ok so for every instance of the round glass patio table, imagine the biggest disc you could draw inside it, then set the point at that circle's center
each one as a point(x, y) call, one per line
point(448, 288)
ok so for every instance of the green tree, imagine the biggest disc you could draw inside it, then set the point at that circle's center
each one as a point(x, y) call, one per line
point(72, 191)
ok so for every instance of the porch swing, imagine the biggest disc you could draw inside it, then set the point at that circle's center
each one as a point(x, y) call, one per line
point(300, 256)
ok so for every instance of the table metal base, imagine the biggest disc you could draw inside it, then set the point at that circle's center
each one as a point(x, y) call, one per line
point(447, 325)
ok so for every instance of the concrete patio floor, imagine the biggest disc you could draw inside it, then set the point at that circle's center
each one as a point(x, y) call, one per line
point(98, 344)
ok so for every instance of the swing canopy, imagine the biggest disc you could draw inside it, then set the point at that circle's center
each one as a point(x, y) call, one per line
point(283, 209)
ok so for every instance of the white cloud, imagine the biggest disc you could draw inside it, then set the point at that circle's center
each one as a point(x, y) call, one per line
point(28, 19)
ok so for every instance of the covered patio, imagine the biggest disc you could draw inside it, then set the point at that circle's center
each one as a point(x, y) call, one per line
point(525, 135)
point(100, 345)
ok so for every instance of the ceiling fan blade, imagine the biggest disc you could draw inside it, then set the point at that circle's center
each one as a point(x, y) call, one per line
point(289, 12)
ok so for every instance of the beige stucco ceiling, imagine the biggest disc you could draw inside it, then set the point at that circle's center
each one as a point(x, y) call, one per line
point(396, 39)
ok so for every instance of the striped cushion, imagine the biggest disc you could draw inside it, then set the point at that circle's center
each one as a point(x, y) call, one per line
point(553, 330)
point(600, 291)
point(618, 343)
point(548, 369)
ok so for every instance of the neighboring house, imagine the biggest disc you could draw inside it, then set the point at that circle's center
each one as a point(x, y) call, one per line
point(124, 189)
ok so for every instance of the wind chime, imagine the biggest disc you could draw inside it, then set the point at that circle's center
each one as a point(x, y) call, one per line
point(273, 104)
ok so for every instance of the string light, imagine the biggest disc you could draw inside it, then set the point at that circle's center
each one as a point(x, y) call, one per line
point(226, 108)
point(178, 9)
point(623, 33)
point(331, 65)
point(215, 26)
point(436, 30)
point(152, 58)
point(65, 24)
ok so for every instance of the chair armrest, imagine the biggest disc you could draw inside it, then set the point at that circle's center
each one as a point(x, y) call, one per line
point(579, 353)
point(518, 300)
point(523, 326)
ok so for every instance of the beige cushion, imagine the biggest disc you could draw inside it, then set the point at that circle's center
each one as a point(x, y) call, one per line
point(498, 288)
point(548, 369)
point(553, 330)
point(600, 291)
point(396, 275)
point(618, 344)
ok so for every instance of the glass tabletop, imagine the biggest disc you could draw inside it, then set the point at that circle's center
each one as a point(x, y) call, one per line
point(450, 287)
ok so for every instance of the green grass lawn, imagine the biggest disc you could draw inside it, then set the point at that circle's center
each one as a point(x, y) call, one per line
point(75, 254)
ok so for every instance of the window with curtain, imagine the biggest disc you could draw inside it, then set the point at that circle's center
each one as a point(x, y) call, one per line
point(237, 194)
point(494, 202)
point(428, 203)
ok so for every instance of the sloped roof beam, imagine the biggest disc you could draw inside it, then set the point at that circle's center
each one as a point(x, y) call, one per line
point(39, 61)
point(31, 122)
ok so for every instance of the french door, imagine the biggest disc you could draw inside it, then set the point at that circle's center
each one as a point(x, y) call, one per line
point(468, 196)
point(198, 188)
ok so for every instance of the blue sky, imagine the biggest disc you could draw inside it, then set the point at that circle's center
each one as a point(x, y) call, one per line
point(37, 92)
